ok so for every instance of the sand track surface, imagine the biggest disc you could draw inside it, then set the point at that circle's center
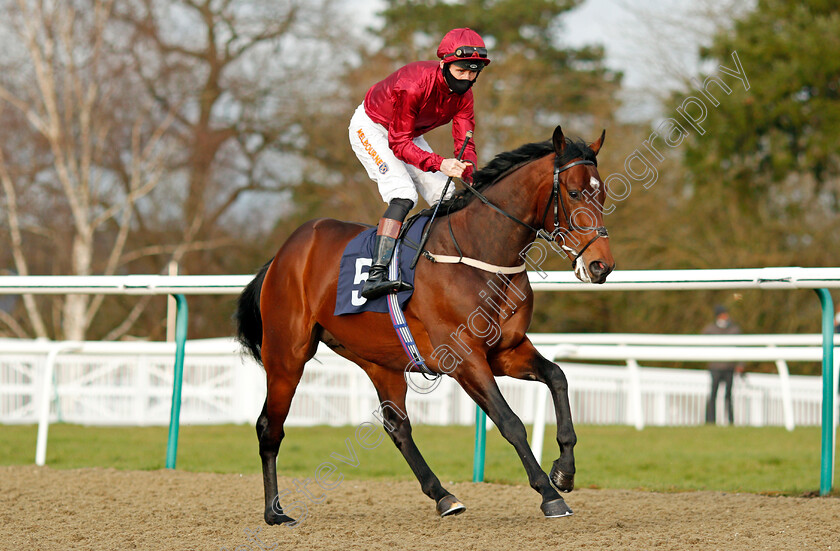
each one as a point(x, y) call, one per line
point(104, 509)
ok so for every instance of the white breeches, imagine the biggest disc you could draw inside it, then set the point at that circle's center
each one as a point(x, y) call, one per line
point(395, 179)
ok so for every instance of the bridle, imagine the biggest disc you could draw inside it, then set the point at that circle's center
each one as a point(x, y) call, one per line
point(600, 231)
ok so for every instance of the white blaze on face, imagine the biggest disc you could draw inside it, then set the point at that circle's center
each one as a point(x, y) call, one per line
point(594, 183)
point(579, 265)
point(581, 272)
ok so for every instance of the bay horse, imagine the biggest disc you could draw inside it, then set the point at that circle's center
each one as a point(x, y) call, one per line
point(288, 309)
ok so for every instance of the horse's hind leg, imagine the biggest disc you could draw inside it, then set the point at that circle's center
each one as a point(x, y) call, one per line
point(284, 356)
point(391, 387)
point(280, 390)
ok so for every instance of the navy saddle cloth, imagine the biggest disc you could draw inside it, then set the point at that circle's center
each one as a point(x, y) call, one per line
point(356, 261)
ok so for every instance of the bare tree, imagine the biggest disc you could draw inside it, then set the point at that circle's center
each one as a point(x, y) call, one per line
point(62, 85)
point(149, 129)
point(244, 78)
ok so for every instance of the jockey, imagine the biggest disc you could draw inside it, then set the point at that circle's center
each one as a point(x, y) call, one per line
point(386, 133)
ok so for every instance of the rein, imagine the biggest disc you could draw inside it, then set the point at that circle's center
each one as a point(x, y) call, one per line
point(601, 231)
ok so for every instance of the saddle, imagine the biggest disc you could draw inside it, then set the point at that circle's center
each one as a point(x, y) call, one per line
point(357, 259)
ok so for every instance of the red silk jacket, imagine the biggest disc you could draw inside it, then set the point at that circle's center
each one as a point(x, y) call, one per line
point(414, 100)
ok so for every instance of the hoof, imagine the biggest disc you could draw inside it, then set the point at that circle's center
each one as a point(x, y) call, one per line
point(562, 481)
point(556, 508)
point(272, 517)
point(449, 506)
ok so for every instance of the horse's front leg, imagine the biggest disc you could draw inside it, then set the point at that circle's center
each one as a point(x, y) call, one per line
point(478, 382)
point(563, 469)
point(525, 362)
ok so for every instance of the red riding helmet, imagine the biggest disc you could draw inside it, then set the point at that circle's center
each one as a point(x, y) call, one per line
point(463, 45)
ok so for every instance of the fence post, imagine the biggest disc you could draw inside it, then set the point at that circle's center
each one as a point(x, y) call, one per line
point(177, 380)
point(634, 394)
point(47, 385)
point(538, 431)
point(827, 455)
point(787, 400)
point(480, 444)
point(44, 407)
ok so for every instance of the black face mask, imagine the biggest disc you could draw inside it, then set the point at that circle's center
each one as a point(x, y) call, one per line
point(457, 86)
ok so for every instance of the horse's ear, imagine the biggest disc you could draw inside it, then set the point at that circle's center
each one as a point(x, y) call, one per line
point(559, 140)
point(596, 145)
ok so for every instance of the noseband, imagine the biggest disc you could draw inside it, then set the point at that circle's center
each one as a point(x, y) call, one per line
point(601, 231)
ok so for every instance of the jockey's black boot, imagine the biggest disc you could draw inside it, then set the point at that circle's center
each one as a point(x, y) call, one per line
point(377, 283)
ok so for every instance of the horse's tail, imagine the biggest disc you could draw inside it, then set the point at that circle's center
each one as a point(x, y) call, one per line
point(248, 318)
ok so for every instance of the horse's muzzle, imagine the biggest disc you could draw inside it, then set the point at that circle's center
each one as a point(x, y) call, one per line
point(599, 271)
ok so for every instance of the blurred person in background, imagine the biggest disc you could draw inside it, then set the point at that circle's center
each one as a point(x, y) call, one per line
point(722, 372)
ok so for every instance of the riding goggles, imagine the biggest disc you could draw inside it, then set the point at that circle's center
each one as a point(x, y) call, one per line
point(469, 51)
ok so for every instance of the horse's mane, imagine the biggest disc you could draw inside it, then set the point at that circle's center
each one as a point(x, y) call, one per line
point(506, 162)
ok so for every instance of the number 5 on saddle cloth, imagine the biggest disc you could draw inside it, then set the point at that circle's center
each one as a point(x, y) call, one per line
point(356, 260)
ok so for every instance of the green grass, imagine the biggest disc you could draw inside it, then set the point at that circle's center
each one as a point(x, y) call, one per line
point(745, 459)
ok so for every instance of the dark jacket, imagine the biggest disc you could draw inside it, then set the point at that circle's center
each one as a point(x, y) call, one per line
point(731, 329)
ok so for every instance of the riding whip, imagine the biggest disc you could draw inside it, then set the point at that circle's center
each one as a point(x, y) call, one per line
point(437, 205)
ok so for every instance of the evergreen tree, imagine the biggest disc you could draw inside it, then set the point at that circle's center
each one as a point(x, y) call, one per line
point(762, 166)
point(534, 82)
point(775, 143)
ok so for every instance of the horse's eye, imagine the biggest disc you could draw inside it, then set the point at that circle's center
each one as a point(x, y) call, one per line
point(574, 194)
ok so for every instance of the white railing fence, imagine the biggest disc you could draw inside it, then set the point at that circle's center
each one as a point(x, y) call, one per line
point(97, 383)
point(778, 278)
